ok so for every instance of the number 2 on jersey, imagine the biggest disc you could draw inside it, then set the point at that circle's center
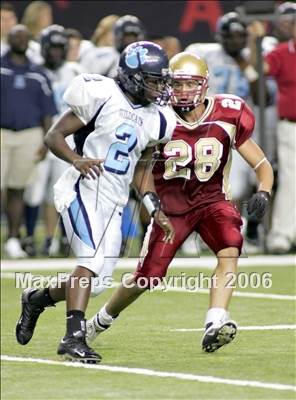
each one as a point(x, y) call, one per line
point(207, 153)
point(117, 159)
point(231, 103)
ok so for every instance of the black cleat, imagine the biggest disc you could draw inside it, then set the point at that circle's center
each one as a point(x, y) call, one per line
point(28, 245)
point(28, 319)
point(217, 336)
point(75, 348)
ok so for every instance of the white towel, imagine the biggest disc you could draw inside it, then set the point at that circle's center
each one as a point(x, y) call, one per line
point(64, 192)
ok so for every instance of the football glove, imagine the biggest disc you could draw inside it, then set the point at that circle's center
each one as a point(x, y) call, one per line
point(258, 205)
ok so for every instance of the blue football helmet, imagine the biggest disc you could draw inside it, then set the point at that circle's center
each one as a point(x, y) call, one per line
point(53, 36)
point(144, 73)
point(231, 32)
point(287, 8)
point(126, 30)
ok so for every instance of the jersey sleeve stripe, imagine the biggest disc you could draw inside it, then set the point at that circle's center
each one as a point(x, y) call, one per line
point(41, 79)
point(163, 125)
point(81, 134)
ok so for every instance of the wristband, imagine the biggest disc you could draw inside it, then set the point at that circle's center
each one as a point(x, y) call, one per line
point(259, 163)
point(251, 74)
point(151, 202)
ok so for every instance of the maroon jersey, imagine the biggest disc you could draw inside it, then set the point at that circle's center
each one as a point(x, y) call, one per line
point(193, 168)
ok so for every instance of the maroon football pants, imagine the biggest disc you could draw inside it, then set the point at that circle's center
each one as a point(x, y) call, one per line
point(218, 224)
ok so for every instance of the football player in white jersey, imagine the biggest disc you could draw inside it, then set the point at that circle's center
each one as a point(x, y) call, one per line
point(104, 60)
point(115, 121)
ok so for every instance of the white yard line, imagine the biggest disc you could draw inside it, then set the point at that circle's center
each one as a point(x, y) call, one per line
point(253, 295)
point(204, 262)
point(249, 295)
point(242, 328)
point(159, 374)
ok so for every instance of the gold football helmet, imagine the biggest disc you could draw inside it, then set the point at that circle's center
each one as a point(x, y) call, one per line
point(190, 77)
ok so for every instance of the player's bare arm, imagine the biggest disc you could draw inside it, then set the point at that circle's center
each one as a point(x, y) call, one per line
point(255, 157)
point(55, 140)
point(252, 153)
point(144, 183)
point(256, 31)
point(42, 151)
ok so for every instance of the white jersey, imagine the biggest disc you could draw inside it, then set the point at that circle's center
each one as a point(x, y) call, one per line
point(60, 80)
point(101, 60)
point(4, 47)
point(84, 48)
point(116, 131)
point(34, 52)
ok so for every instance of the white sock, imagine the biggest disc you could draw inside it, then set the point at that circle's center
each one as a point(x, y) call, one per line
point(216, 315)
point(103, 320)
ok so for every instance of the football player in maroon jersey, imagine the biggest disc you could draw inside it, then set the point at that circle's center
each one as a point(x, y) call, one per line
point(192, 182)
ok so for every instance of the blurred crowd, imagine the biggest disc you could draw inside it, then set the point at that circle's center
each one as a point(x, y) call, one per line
point(38, 61)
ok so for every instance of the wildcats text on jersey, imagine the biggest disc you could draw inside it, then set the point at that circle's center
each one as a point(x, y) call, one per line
point(126, 114)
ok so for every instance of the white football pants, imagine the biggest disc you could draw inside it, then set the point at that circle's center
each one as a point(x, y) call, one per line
point(93, 227)
point(284, 210)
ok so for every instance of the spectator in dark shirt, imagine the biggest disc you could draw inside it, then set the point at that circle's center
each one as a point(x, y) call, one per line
point(27, 106)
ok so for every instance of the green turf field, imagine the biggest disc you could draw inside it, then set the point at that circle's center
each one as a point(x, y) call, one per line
point(145, 337)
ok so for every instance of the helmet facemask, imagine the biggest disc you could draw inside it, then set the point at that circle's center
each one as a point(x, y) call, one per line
point(155, 87)
point(144, 73)
point(189, 81)
point(149, 88)
point(189, 98)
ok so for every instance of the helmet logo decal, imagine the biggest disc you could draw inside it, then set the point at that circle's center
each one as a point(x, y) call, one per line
point(136, 57)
